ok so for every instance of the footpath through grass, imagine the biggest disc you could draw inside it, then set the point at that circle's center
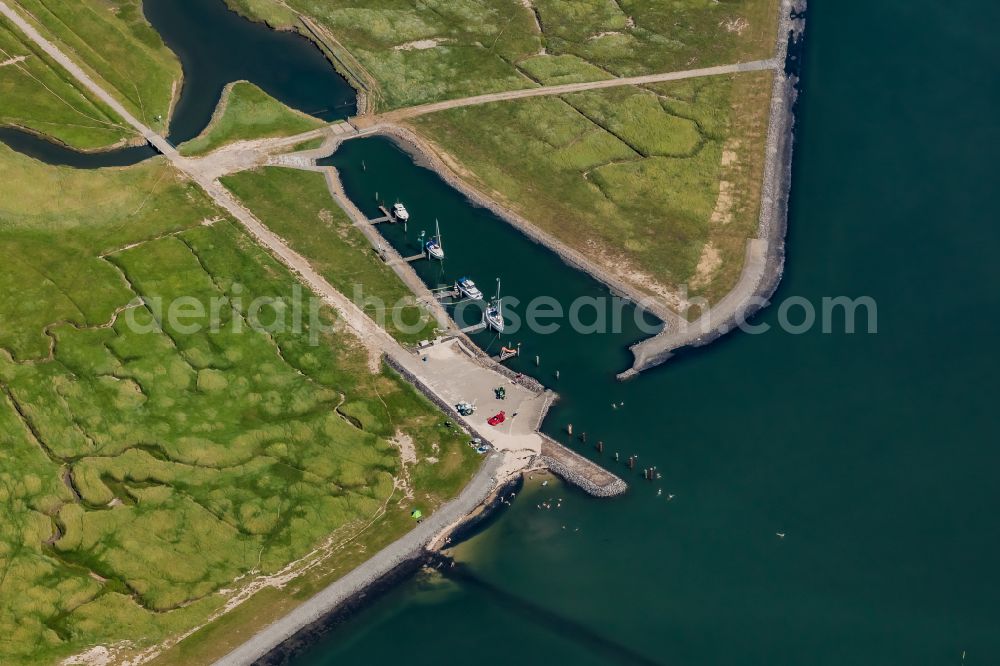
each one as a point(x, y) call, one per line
point(146, 462)
point(37, 94)
point(114, 41)
point(658, 185)
point(430, 51)
point(247, 112)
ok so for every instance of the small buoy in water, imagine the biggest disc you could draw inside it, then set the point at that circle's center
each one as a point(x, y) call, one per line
point(669, 497)
point(780, 535)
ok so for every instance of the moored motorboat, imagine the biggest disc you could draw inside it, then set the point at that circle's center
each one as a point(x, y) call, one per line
point(468, 288)
point(399, 212)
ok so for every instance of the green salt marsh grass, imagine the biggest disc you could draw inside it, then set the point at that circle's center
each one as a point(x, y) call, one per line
point(247, 112)
point(431, 51)
point(145, 466)
point(37, 94)
point(659, 185)
point(114, 41)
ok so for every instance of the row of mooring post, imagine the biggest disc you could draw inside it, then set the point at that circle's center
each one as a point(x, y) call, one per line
point(648, 473)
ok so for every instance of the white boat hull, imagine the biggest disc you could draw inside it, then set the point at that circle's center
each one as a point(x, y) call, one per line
point(495, 322)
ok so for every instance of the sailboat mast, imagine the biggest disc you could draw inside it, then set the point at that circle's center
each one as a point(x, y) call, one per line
point(499, 307)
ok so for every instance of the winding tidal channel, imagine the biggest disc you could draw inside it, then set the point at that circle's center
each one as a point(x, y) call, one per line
point(873, 454)
point(216, 46)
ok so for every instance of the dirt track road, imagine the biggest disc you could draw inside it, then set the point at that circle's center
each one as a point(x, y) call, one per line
point(410, 112)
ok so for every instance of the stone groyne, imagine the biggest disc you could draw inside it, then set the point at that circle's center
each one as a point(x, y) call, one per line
point(580, 471)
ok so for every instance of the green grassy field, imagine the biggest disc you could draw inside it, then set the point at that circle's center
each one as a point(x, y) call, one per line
point(146, 464)
point(297, 206)
point(114, 41)
point(37, 94)
point(659, 185)
point(247, 112)
point(429, 51)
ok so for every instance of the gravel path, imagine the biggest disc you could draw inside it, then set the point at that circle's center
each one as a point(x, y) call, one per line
point(565, 88)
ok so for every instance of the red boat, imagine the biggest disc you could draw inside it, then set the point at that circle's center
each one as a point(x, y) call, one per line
point(497, 419)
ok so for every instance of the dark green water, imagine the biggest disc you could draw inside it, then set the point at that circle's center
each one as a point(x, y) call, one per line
point(216, 46)
point(875, 454)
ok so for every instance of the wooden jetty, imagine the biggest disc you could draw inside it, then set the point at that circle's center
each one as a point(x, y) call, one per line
point(442, 293)
point(386, 217)
point(475, 328)
point(414, 257)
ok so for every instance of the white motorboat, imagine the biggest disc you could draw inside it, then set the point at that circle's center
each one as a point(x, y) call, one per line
point(494, 312)
point(434, 248)
point(399, 212)
point(468, 288)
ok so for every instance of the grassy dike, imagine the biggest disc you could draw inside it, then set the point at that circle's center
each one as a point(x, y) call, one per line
point(297, 206)
point(659, 185)
point(146, 466)
point(246, 112)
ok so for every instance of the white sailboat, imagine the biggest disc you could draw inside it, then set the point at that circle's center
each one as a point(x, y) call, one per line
point(434, 248)
point(494, 312)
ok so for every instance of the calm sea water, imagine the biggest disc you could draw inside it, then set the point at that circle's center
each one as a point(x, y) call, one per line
point(876, 455)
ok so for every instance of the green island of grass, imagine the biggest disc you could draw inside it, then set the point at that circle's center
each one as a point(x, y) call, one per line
point(148, 464)
point(247, 112)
